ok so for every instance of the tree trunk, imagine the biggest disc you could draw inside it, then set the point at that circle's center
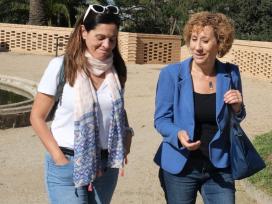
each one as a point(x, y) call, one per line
point(37, 14)
point(173, 27)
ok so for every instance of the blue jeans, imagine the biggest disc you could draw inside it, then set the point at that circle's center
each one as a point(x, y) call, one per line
point(215, 185)
point(61, 189)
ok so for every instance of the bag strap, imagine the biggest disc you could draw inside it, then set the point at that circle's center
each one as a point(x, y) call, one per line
point(230, 72)
point(232, 86)
point(228, 68)
point(58, 96)
point(61, 83)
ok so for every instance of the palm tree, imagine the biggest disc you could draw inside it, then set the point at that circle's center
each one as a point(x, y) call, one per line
point(37, 14)
point(56, 9)
point(45, 12)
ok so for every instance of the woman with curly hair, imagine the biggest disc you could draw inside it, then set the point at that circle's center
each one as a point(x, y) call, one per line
point(194, 101)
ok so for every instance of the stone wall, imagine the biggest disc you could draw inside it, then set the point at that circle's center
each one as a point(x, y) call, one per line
point(154, 49)
point(32, 39)
point(252, 57)
point(134, 47)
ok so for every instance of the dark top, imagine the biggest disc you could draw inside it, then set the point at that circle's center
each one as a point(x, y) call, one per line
point(205, 122)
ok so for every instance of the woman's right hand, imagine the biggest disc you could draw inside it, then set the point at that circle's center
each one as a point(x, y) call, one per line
point(40, 109)
point(62, 161)
point(186, 142)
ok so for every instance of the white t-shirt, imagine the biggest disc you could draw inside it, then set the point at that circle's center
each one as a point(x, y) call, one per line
point(62, 126)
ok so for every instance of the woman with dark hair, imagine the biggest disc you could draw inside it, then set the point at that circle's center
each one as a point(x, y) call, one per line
point(194, 103)
point(89, 137)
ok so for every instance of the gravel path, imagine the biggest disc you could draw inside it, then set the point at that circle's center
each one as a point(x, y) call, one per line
point(21, 153)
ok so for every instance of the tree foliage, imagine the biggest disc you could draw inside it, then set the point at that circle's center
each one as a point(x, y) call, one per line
point(14, 11)
point(56, 12)
point(252, 18)
point(62, 12)
point(156, 16)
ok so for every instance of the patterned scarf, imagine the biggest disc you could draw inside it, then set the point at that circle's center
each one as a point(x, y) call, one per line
point(87, 157)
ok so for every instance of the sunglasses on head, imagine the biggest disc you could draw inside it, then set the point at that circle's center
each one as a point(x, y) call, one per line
point(101, 9)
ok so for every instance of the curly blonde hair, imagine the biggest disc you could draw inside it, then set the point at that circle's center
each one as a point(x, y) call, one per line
point(223, 29)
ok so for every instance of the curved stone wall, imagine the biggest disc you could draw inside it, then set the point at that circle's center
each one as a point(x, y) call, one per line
point(17, 114)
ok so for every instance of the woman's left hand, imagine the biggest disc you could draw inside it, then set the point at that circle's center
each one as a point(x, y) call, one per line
point(234, 98)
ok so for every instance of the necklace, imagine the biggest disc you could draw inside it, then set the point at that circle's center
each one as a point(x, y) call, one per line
point(210, 85)
point(209, 80)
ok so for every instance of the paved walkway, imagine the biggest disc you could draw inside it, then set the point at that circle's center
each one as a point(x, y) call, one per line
point(21, 153)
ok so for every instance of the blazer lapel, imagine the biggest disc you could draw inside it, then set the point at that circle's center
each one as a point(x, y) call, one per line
point(186, 100)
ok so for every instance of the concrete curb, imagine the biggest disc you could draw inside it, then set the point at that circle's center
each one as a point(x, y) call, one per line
point(254, 193)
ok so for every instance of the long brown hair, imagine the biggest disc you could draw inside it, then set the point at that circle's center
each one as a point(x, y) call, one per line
point(74, 58)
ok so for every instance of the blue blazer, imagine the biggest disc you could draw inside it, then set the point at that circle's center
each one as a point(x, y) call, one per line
point(174, 111)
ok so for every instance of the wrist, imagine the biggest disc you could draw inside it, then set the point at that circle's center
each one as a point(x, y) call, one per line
point(237, 108)
point(57, 154)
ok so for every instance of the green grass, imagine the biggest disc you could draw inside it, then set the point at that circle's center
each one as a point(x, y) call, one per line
point(263, 179)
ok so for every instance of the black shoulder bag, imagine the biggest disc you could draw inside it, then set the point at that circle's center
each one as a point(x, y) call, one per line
point(58, 95)
point(244, 159)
